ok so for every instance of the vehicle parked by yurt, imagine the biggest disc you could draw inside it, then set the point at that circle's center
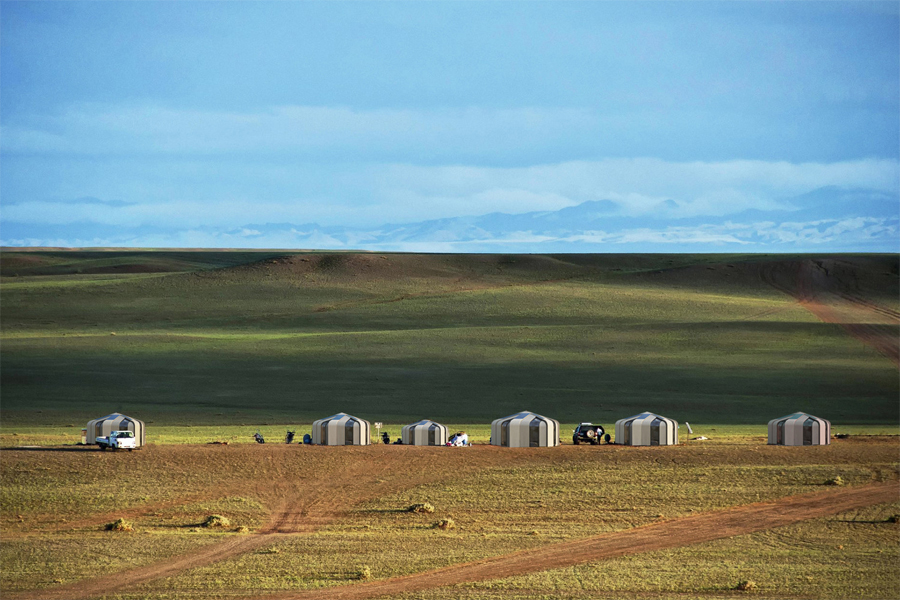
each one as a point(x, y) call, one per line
point(799, 429)
point(424, 433)
point(647, 429)
point(341, 430)
point(525, 430)
point(104, 426)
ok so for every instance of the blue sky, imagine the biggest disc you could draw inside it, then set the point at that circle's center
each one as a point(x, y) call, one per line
point(315, 124)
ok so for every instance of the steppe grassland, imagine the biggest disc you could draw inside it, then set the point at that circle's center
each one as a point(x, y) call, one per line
point(515, 499)
point(266, 343)
point(243, 347)
point(845, 556)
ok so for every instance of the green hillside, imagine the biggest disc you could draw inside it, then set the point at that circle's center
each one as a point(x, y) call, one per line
point(276, 337)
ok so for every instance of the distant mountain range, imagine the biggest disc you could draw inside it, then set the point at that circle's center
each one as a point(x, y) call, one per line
point(826, 219)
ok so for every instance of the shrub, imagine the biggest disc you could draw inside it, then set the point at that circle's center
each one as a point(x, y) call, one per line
point(835, 481)
point(119, 525)
point(216, 521)
point(364, 572)
point(893, 519)
point(445, 524)
point(745, 586)
point(421, 507)
point(241, 529)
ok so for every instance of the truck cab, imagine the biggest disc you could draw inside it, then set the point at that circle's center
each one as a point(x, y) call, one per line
point(116, 440)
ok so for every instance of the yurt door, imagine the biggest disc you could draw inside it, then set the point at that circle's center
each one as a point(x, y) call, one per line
point(534, 433)
point(431, 432)
point(348, 433)
point(654, 432)
point(807, 432)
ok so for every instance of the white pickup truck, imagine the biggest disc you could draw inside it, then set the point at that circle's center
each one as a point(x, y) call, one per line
point(116, 440)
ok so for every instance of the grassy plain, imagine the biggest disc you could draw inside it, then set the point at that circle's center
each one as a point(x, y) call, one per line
point(394, 338)
point(215, 346)
point(55, 503)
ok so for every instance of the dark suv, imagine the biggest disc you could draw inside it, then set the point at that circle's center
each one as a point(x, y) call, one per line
point(588, 432)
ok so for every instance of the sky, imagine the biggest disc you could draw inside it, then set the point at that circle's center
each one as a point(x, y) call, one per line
point(337, 124)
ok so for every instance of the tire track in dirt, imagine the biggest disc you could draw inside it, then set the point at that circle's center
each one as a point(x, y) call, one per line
point(297, 509)
point(686, 531)
point(833, 301)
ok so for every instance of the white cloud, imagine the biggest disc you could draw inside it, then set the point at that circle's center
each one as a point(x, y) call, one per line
point(190, 195)
point(639, 185)
point(342, 166)
point(151, 130)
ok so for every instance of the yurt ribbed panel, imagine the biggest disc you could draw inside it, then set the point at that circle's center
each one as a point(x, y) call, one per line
point(424, 433)
point(525, 430)
point(103, 426)
point(799, 429)
point(647, 429)
point(341, 430)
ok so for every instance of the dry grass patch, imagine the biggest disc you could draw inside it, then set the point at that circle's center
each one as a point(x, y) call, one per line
point(216, 521)
point(119, 525)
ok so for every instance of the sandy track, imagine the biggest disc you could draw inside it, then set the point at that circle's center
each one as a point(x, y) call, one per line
point(296, 509)
point(833, 300)
point(669, 534)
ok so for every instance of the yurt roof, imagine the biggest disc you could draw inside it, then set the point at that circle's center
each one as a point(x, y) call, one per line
point(797, 415)
point(114, 416)
point(643, 415)
point(794, 416)
point(340, 415)
point(521, 415)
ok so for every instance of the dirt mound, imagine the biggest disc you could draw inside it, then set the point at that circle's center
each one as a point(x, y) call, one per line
point(106, 262)
point(15, 263)
point(434, 271)
point(343, 266)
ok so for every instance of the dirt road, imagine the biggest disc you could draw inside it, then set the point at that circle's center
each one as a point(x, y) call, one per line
point(670, 534)
point(831, 291)
point(297, 508)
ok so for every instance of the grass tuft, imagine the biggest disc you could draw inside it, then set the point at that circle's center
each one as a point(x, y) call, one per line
point(745, 586)
point(119, 525)
point(835, 481)
point(364, 572)
point(421, 507)
point(216, 521)
point(445, 524)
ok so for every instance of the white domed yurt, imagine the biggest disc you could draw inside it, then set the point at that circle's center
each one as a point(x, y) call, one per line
point(341, 430)
point(525, 430)
point(424, 433)
point(799, 429)
point(647, 429)
point(103, 426)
